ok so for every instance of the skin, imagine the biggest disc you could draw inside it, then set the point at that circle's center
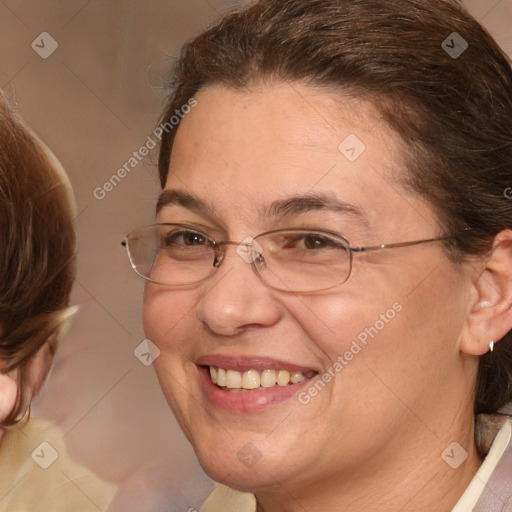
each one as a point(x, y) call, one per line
point(8, 392)
point(372, 439)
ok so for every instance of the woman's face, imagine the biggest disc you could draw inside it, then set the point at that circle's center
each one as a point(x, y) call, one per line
point(380, 351)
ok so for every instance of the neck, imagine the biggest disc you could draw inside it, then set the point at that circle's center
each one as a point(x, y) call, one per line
point(418, 480)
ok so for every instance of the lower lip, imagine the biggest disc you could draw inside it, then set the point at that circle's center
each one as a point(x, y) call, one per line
point(248, 401)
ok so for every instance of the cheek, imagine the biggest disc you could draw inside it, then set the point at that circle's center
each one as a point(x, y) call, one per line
point(396, 338)
point(166, 316)
point(346, 321)
point(168, 319)
point(8, 394)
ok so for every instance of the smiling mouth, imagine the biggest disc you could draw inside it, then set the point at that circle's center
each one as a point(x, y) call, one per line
point(255, 380)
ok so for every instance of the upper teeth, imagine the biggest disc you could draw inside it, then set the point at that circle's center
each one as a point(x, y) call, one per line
point(253, 379)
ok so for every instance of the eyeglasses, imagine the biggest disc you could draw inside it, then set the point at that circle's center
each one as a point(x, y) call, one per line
point(292, 260)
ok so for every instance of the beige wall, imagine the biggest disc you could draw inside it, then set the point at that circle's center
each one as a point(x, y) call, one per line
point(94, 101)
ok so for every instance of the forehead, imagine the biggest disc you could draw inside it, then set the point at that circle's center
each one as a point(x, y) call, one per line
point(239, 149)
point(289, 121)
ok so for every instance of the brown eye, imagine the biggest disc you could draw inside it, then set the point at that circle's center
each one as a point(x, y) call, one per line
point(311, 242)
point(185, 238)
point(316, 242)
point(191, 238)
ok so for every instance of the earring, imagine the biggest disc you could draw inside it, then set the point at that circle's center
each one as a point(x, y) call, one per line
point(491, 346)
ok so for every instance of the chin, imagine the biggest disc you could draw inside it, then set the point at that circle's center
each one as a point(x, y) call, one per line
point(246, 480)
point(246, 469)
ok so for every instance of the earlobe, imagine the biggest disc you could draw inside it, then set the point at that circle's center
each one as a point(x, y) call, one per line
point(490, 318)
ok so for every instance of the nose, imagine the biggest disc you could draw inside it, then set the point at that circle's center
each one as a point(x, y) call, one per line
point(235, 299)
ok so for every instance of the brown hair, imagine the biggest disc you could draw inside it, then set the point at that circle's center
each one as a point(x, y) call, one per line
point(453, 113)
point(37, 256)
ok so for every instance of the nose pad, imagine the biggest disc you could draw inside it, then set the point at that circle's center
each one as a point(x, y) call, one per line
point(250, 250)
point(259, 260)
point(219, 256)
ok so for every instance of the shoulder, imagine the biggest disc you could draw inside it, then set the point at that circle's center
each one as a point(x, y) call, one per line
point(38, 474)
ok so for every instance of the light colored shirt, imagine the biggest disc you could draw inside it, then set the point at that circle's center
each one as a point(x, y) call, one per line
point(472, 494)
point(37, 475)
point(224, 499)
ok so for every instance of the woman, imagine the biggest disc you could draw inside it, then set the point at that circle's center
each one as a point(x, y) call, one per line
point(330, 279)
point(37, 264)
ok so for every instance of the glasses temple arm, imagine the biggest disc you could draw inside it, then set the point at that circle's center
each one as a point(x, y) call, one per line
point(399, 244)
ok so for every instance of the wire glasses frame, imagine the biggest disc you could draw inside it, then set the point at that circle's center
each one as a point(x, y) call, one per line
point(291, 260)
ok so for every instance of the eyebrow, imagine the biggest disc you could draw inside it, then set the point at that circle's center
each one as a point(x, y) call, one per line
point(185, 199)
point(318, 201)
point(286, 207)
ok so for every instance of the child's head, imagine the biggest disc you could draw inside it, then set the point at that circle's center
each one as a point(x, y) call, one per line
point(37, 261)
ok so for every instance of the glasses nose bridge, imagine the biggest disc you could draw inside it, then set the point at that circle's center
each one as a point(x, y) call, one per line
point(220, 251)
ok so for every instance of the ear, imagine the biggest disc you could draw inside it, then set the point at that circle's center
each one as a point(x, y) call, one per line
point(490, 317)
point(39, 366)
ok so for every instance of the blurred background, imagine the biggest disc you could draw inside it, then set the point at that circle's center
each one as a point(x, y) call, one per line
point(87, 76)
